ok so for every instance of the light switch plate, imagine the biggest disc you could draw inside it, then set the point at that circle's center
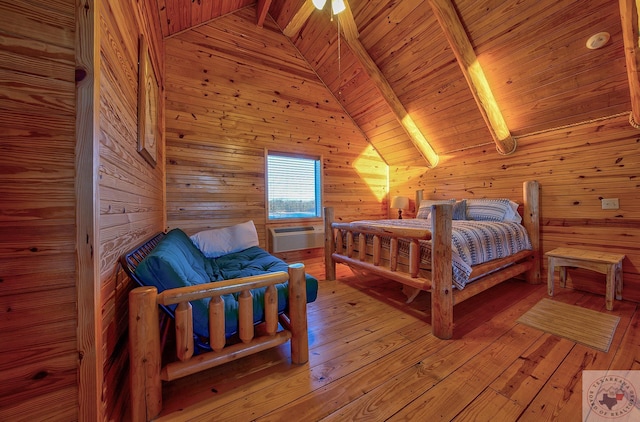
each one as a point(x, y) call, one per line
point(610, 204)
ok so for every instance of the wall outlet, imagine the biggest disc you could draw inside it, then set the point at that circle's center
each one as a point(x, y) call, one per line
point(610, 204)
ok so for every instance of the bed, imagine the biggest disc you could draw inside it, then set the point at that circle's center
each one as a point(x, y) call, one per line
point(398, 253)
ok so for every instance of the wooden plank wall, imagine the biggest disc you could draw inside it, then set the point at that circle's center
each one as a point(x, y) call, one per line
point(38, 354)
point(233, 90)
point(576, 167)
point(131, 190)
point(38, 296)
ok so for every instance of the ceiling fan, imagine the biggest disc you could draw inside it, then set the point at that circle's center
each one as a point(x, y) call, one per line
point(341, 9)
point(337, 6)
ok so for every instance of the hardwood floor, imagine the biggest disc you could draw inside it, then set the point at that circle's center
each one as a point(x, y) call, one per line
point(373, 357)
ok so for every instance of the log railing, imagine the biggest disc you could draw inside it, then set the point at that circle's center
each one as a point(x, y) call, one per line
point(412, 235)
point(144, 331)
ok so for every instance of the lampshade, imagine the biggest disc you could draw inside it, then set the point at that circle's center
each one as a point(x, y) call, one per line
point(400, 202)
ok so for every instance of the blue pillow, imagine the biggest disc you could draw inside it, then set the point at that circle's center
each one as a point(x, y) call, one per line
point(460, 210)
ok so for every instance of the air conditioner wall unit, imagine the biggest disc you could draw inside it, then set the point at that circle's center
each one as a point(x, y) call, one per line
point(286, 239)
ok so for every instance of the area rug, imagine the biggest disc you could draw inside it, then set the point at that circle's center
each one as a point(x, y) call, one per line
point(585, 326)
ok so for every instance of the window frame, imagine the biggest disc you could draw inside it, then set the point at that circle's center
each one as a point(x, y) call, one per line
point(318, 181)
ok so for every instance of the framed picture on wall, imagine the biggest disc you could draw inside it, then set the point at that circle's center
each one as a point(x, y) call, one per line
point(148, 106)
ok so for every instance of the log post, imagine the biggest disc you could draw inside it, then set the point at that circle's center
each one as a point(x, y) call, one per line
point(145, 359)
point(245, 316)
point(441, 273)
point(362, 247)
point(329, 245)
point(414, 258)
point(217, 337)
point(531, 221)
point(393, 254)
point(298, 314)
point(377, 250)
point(350, 244)
point(184, 331)
point(271, 309)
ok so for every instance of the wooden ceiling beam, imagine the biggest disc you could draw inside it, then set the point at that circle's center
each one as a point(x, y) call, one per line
point(350, 32)
point(350, 35)
point(630, 27)
point(463, 50)
point(299, 18)
point(262, 8)
point(348, 23)
point(394, 103)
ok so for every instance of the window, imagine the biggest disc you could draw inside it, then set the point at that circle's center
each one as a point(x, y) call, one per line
point(293, 186)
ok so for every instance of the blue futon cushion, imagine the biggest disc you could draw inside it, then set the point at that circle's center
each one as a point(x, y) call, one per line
point(177, 262)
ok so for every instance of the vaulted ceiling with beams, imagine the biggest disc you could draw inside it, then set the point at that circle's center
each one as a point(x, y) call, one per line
point(423, 78)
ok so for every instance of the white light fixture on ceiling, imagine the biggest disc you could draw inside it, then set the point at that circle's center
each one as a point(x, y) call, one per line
point(598, 40)
point(337, 6)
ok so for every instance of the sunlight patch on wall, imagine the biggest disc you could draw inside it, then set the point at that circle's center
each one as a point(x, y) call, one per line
point(373, 171)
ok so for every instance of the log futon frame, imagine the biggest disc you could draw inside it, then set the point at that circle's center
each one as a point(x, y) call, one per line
point(146, 351)
point(375, 260)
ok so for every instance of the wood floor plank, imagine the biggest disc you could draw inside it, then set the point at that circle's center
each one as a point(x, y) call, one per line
point(372, 356)
point(528, 373)
point(408, 395)
point(295, 387)
point(490, 406)
point(449, 397)
point(628, 353)
point(345, 390)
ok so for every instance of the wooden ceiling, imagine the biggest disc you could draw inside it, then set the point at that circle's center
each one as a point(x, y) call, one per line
point(405, 60)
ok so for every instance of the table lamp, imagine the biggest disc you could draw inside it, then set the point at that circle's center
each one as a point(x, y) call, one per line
point(401, 203)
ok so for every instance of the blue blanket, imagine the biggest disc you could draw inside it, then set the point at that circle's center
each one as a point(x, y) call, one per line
point(177, 262)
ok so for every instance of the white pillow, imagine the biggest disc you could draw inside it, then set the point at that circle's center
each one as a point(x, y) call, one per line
point(512, 214)
point(425, 206)
point(217, 242)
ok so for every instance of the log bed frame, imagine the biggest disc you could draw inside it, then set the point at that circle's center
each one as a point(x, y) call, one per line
point(147, 348)
point(438, 281)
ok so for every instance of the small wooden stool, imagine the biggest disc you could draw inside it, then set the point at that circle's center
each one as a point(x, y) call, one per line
point(601, 262)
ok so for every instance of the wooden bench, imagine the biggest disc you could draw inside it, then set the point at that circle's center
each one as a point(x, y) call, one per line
point(601, 262)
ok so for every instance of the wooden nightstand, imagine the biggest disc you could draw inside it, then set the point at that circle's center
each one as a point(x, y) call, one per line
point(601, 262)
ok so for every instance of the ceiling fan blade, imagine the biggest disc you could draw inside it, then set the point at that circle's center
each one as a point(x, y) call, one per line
point(348, 23)
point(319, 4)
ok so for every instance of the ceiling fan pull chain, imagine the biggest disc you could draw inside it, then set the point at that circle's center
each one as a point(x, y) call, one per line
point(339, 62)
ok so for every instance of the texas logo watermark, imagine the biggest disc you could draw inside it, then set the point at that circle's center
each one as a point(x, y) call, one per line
point(610, 395)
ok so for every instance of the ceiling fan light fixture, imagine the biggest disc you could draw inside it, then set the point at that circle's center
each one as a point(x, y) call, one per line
point(337, 6)
point(319, 4)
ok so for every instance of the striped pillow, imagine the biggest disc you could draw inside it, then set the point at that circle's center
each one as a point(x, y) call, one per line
point(487, 209)
point(425, 206)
